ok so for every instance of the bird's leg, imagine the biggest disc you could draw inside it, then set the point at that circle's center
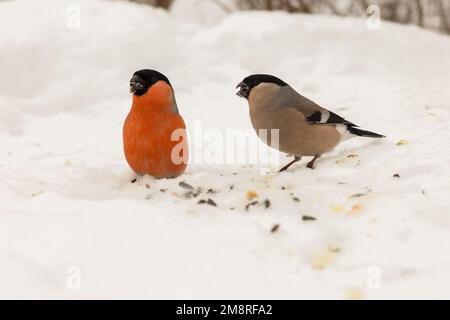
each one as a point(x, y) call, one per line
point(310, 164)
point(296, 159)
point(136, 178)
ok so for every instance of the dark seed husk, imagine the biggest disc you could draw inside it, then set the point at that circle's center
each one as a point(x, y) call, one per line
point(275, 228)
point(185, 185)
point(250, 204)
point(209, 201)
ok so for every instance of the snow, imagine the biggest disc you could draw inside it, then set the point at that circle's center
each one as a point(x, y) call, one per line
point(68, 204)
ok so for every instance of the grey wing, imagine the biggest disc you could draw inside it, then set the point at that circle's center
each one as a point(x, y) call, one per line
point(312, 111)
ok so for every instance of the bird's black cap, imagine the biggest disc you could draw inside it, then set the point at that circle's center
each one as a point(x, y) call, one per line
point(252, 81)
point(142, 80)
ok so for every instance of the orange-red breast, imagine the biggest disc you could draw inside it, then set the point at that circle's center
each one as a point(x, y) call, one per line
point(154, 133)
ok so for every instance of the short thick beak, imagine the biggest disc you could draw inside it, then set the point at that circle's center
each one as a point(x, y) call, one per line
point(136, 84)
point(243, 90)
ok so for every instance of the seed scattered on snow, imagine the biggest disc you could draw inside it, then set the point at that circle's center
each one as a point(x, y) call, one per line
point(334, 249)
point(308, 218)
point(193, 193)
point(67, 163)
point(402, 142)
point(250, 204)
point(209, 201)
point(354, 294)
point(396, 175)
point(296, 199)
point(185, 185)
point(322, 260)
point(358, 195)
point(267, 203)
point(352, 155)
point(34, 194)
point(251, 195)
point(355, 210)
point(336, 208)
point(275, 228)
point(147, 186)
point(211, 191)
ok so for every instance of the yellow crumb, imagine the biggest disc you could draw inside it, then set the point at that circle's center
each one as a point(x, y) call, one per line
point(334, 248)
point(355, 210)
point(67, 163)
point(322, 260)
point(354, 294)
point(336, 208)
point(251, 195)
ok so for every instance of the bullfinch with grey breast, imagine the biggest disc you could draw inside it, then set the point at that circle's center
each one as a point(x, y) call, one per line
point(154, 133)
point(305, 128)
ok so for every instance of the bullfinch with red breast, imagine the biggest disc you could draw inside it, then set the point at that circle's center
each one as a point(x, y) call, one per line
point(154, 133)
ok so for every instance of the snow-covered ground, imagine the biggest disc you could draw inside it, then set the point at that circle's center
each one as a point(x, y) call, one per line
point(73, 226)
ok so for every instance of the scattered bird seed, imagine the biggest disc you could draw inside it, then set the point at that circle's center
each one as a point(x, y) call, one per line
point(275, 228)
point(211, 191)
point(147, 186)
point(162, 190)
point(358, 195)
point(193, 193)
point(251, 195)
point(296, 199)
point(185, 185)
point(267, 203)
point(231, 187)
point(134, 180)
point(308, 218)
point(209, 201)
point(250, 204)
point(396, 175)
point(334, 248)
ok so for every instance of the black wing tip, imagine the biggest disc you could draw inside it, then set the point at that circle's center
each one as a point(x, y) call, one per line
point(364, 133)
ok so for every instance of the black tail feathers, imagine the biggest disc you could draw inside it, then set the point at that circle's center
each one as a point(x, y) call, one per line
point(364, 133)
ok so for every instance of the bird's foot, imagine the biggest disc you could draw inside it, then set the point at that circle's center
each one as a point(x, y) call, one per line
point(310, 164)
point(296, 159)
point(136, 178)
